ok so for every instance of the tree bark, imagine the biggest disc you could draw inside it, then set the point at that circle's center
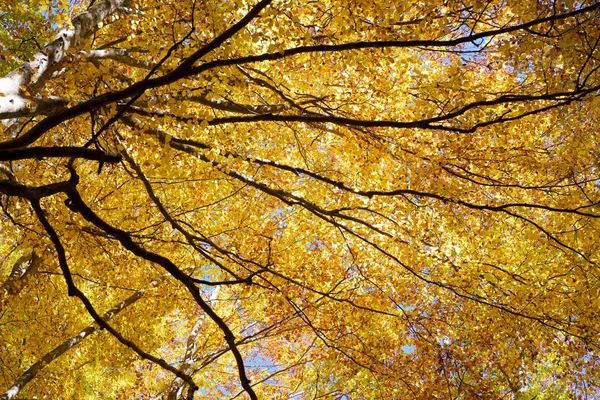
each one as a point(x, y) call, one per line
point(68, 344)
point(31, 76)
point(25, 266)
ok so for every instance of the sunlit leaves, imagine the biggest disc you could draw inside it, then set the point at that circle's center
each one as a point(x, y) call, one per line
point(414, 220)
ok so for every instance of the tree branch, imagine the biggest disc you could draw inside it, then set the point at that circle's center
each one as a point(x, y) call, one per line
point(59, 151)
point(25, 266)
point(77, 204)
point(32, 75)
point(30, 373)
point(186, 68)
point(72, 290)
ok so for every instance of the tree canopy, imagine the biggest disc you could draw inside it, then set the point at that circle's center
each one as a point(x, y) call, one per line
point(299, 199)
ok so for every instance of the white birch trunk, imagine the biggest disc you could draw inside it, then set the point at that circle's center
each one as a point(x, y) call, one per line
point(30, 76)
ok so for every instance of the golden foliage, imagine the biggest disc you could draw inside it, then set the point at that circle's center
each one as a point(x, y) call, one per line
point(299, 199)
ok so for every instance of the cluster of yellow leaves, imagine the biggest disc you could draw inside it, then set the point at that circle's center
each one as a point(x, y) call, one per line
point(438, 290)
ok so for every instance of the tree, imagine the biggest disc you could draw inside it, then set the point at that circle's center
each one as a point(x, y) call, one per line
point(275, 199)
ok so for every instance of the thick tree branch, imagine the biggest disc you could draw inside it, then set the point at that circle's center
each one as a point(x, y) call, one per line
point(122, 56)
point(548, 101)
point(15, 102)
point(186, 68)
point(58, 151)
point(471, 38)
point(33, 192)
point(36, 106)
